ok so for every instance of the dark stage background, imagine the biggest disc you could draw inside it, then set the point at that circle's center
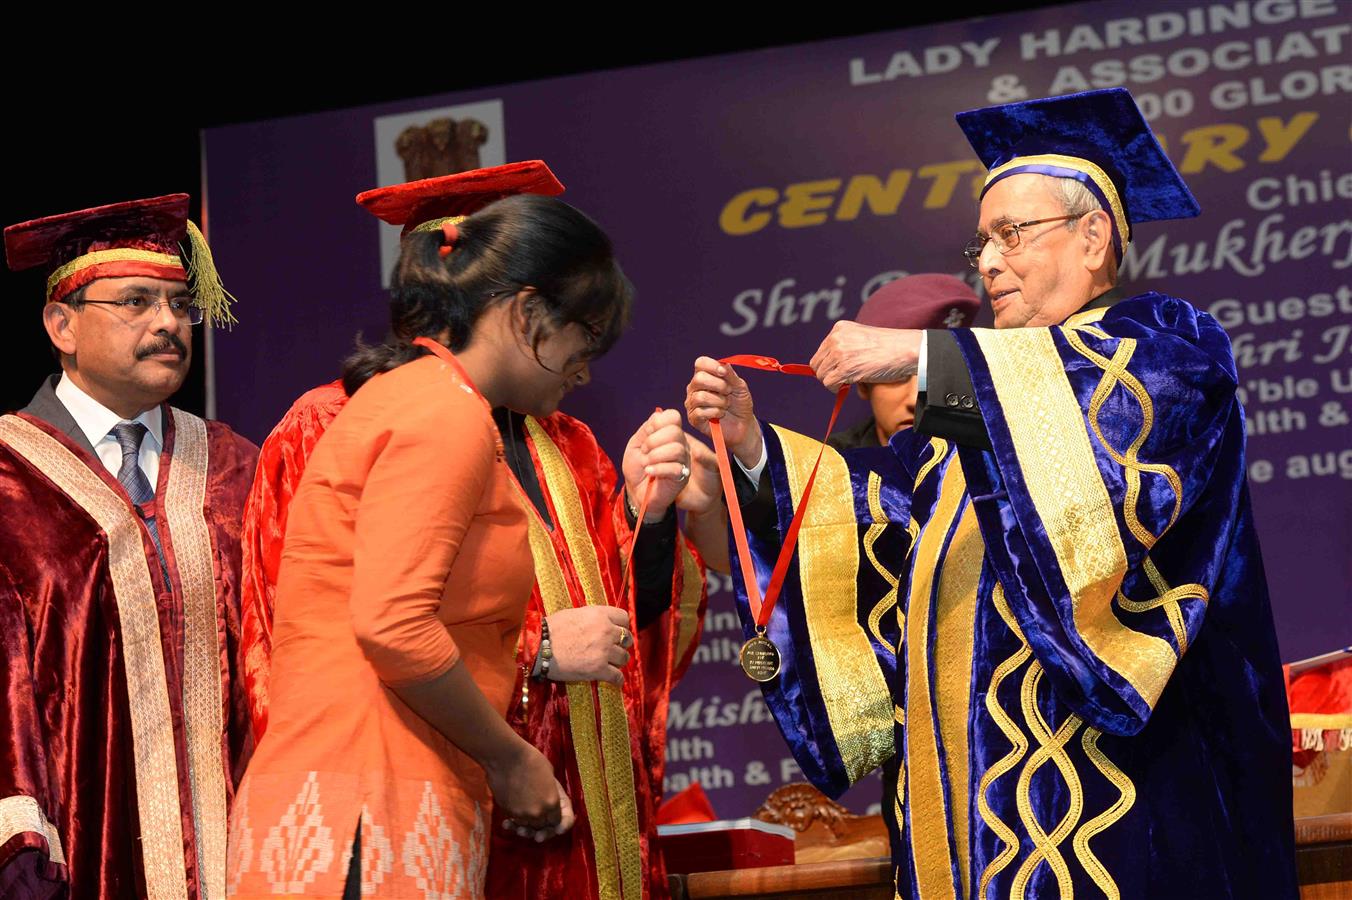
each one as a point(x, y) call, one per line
point(305, 261)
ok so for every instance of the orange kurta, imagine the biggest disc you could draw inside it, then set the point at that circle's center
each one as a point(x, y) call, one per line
point(403, 557)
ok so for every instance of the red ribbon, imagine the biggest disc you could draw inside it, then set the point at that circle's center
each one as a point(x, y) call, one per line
point(628, 578)
point(761, 609)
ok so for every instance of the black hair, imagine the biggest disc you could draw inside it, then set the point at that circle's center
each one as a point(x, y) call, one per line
point(520, 241)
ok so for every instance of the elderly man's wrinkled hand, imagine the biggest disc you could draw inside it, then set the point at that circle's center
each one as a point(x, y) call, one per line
point(862, 354)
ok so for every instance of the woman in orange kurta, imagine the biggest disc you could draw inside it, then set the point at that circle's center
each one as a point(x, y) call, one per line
point(401, 589)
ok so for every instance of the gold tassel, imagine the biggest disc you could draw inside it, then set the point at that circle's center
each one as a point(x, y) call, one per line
point(205, 282)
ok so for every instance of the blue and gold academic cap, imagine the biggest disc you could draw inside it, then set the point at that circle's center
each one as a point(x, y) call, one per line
point(1098, 138)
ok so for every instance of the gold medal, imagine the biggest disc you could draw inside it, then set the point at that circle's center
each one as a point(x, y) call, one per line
point(760, 658)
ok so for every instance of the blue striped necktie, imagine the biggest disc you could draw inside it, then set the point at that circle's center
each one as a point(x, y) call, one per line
point(129, 436)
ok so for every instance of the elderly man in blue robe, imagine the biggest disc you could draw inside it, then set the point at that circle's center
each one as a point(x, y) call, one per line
point(1042, 610)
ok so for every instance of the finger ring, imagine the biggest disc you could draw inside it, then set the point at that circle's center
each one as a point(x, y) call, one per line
point(624, 637)
point(685, 473)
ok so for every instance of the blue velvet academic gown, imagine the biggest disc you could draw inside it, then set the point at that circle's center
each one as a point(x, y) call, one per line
point(1061, 651)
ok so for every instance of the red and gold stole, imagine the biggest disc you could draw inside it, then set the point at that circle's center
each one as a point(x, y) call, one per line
point(597, 719)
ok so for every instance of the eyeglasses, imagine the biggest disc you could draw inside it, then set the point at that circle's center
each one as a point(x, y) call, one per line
point(140, 308)
point(1005, 236)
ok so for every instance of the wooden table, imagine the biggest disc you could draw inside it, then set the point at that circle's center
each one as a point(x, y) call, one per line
point(1323, 863)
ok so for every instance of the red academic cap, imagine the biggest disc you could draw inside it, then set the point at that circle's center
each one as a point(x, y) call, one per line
point(432, 200)
point(132, 238)
point(930, 300)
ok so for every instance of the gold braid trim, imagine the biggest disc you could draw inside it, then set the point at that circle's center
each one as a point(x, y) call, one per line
point(1053, 747)
point(185, 515)
point(153, 742)
point(854, 691)
point(1126, 797)
point(617, 754)
point(1084, 321)
point(1013, 733)
point(1321, 721)
point(1169, 598)
point(875, 531)
point(581, 712)
point(930, 817)
point(940, 447)
point(21, 813)
point(619, 764)
point(99, 257)
point(954, 640)
point(1115, 372)
point(1057, 458)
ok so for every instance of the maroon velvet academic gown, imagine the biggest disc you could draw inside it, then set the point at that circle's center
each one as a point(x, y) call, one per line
point(124, 727)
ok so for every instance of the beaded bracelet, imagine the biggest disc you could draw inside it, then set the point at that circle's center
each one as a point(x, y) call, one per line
point(546, 651)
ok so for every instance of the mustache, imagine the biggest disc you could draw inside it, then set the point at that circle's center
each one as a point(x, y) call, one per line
point(164, 344)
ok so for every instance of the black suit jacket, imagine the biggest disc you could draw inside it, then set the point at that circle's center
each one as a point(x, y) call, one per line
point(46, 406)
point(948, 407)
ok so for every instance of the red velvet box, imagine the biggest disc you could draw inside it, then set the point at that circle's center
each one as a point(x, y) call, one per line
point(715, 846)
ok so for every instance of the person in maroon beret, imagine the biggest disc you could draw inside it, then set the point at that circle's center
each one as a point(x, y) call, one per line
point(929, 300)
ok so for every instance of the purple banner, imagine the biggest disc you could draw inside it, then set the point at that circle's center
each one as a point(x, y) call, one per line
point(757, 197)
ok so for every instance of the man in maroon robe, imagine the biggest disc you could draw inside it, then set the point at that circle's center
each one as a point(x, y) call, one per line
point(124, 725)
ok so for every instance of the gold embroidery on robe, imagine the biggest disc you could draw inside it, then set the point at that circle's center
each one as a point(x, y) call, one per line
point(692, 587)
point(21, 813)
point(954, 637)
point(929, 814)
point(854, 692)
point(203, 708)
point(616, 753)
point(157, 779)
point(1072, 503)
point(888, 601)
point(582, 724)
point(1015, 736)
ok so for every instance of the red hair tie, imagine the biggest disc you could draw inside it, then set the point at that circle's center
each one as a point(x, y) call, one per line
point(450, 234)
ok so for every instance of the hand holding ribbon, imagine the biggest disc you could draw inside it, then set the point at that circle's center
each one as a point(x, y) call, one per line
point(716, 393)
point(866, 354)
point(658, 453)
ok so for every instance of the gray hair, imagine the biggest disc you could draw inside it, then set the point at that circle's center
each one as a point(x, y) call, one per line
point(1078, 200)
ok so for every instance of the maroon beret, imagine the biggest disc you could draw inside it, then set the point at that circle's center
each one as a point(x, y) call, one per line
point(930, 300)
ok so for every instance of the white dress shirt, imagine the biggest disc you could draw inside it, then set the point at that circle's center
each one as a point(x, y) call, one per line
point(97, 421)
